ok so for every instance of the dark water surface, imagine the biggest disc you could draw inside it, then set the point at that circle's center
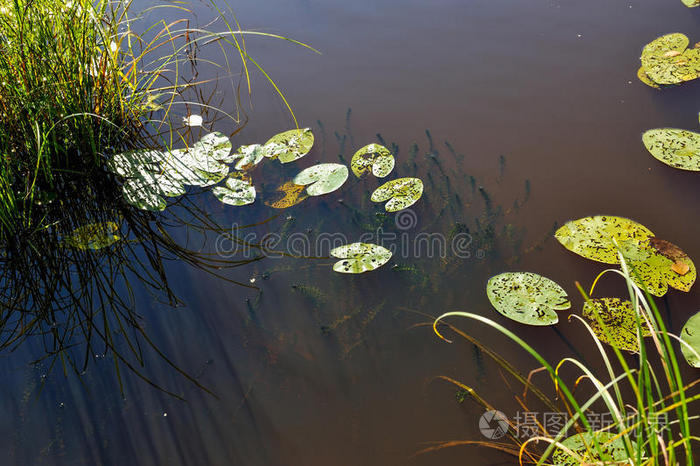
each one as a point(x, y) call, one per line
point(321, 368)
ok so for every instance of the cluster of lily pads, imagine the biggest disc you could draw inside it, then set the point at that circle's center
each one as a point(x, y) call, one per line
point(667, 60)
point(532, 299)
point(149, 176)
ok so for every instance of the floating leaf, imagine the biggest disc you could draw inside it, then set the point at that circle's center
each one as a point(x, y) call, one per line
point(374, 157)
point(677, 148)
point(611, 445)
point(249, 156)
point(237, 192)
point(129, 163)
point(401, 193)
point(143, 195)
point(657, 262)
point(691, 3)
point(292, 194)
point(643, 77)
point(618, 318)
point(323, 178)
point(192, 168)
point(527, 298)
point(592, 237)
point(667, 60)
point(213, 147)
point(360, 257)
point(93, 236)
point(290, 145)
point(691, 335)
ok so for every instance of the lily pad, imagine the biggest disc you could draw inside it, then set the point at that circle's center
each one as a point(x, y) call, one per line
point(691, 335)
point(658, 263)
point(643, 77)
point(290, 195)
point(527, 298)
point(617, 317)
point(249, 156)
point(129, 163)
point(691, 3)
point(360, 257)
point(373, 157)
point(667, 60)
point(93, 236)
point(592, 237)
point(401, 193)
point(236, 192)
point(290, 145)
point(677, 148)
point(323, 178)
point(610, 444)
point(213, 146)
point(139, 193)
point(193, 168)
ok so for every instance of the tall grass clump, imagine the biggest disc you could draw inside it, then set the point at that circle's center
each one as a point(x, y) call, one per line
point(69, 91)
point(644, 397)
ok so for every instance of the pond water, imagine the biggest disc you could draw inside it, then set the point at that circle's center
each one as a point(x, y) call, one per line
point(540, 103)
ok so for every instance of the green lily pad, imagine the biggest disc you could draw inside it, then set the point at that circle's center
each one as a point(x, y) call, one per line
point(290, 145)
point(677, 148)
point(583, 444)
point(143, 195)
point(249, 156)
point(657, 262)
point(129, 163)
point(374, 157)
point(401, 193)
point(691, 335)
point(667, 60)
point(236, 192)
point(691, 3)
point(617, 317)
point(323, 178)
point(93, 236)
point(193, 168)
point(360, 257)
point(214, 146)
point(527, 298)
point(643, 77)
point(592, 237)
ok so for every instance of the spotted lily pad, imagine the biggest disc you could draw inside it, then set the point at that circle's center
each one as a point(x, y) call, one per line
point(374, 157)
point(643, 77)
point(401, 193)
point(527, 298)
point(360, 257)
point(610, 445)
point(290, 145)
point(323, 178)
point(143, 195)
point(658, 263)
point(213, 146)
point(617, 317)
point(691, 335)
point(677, 148)
point(248, 156)
point(592, 237)
point(237, 192)
point(667, 60)
point(129, 163)
point(290, 194)
point(93, 236)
